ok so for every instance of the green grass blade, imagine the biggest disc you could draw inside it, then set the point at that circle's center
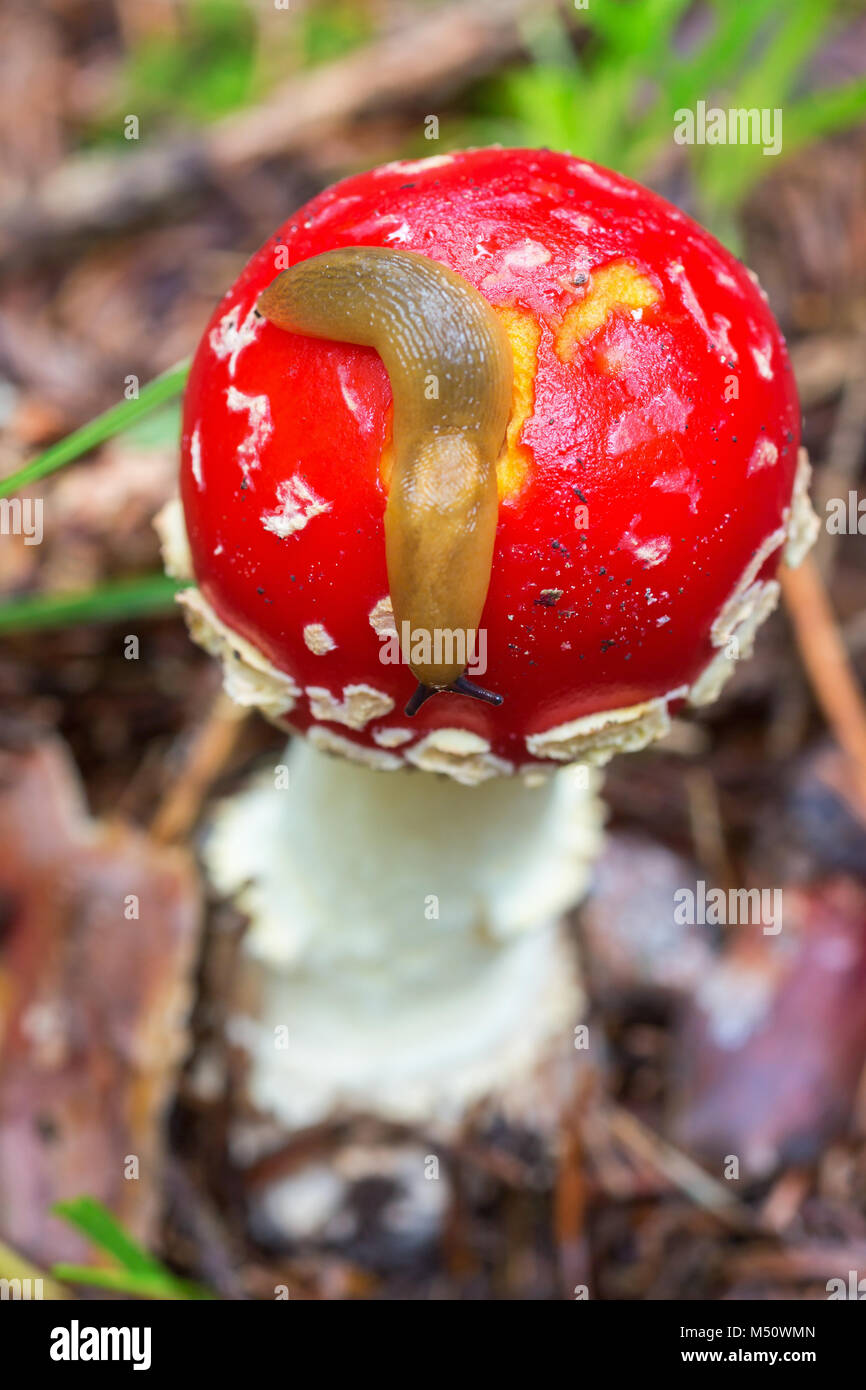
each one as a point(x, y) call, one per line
point(113, 421)
point(94, 1220)
point(714, 66)
point(139, 1273)
point(125, 598)
point(166, 1287)
point(769, 80)
point(636, 28)
point(825, 112)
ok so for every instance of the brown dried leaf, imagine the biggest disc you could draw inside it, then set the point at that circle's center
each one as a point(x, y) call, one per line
point(93, 1004)
point(774, 1041)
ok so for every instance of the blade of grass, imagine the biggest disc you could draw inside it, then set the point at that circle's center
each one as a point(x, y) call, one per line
point(112, 421)
point(94, 1220)
point(765, 84)
point(140, 1273)
point(125, 1281)
point(825, 112)
point(715, 64)
point(125, 598)
point(644, 30)
point(769, 81)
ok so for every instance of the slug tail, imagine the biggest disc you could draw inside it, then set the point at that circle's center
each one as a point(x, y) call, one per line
point(422, 694)
point(462, 686)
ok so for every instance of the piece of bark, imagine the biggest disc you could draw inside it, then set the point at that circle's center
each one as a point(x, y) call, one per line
point(93, 1005)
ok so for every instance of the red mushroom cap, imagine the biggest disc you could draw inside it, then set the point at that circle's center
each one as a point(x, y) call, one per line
point(646, 488)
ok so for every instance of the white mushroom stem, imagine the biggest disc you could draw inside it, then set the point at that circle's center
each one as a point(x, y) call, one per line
point(405, 933)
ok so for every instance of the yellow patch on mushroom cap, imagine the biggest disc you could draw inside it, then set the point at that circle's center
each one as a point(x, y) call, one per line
point(386, 462)
point(619, 285)
point(515, 461)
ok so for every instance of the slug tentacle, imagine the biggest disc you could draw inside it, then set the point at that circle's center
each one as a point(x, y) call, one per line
point(449, 362)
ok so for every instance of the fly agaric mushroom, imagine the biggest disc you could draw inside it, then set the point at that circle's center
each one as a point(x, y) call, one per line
point(515, 404)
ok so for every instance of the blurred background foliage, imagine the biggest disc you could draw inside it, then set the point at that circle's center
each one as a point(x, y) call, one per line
point(603, 82)
point(611, 97)
point(218, 56)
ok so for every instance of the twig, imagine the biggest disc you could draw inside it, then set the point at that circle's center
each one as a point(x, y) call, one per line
point(827, 665)
point(784, 1200)
point(92, 194)
point(843, 452)
point(210, 749)
point(795, 1264)
point(197, 1216)
point(680, 1170)
point(707, 824)
point(569, 1207)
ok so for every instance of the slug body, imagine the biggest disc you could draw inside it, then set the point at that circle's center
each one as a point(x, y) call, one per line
point(449, 362)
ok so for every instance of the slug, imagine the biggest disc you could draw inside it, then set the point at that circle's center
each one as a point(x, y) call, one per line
point(449, 362)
